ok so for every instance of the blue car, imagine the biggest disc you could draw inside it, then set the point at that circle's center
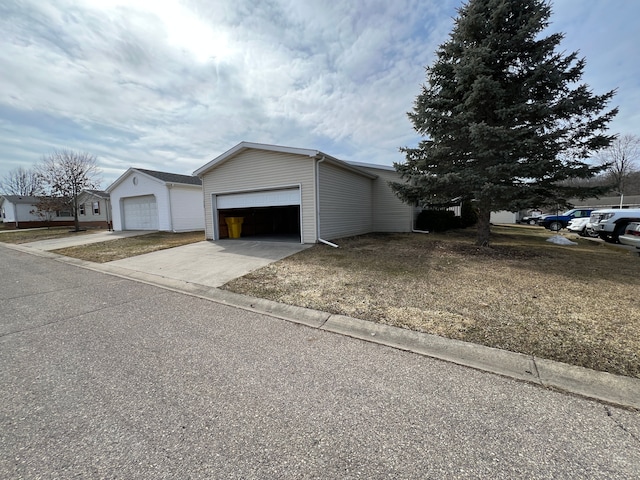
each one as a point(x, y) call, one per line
point(558, 222)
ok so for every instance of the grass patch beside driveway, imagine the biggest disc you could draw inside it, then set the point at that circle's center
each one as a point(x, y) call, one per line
point(34, 235)
point(576, 304)
point(129, 247)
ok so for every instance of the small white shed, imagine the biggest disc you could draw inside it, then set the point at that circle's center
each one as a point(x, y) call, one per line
point(150, 200)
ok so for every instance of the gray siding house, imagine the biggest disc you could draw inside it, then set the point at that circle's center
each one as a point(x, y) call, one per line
point(300, 193)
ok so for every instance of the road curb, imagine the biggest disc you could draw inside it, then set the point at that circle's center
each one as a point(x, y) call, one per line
point(605, 387)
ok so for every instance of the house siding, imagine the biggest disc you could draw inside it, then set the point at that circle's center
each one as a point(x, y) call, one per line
point(262, 170)
point(89, 219)
point(187, 210)
point(18, 215)
point(345, 202)
point(390, 214)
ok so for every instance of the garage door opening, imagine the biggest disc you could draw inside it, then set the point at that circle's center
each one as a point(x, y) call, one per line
point(281, 223)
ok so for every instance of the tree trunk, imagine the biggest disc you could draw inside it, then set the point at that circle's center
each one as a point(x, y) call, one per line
point(484, 226)
point(76, 220)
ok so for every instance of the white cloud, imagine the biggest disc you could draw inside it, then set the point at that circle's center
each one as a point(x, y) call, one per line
point(169, 85)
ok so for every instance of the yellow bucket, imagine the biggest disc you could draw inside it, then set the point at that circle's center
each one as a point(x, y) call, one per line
point(234, 224)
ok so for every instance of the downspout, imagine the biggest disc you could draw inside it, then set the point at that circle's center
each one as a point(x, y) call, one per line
point(321, 240)
point(107, 206)
point(169, 186)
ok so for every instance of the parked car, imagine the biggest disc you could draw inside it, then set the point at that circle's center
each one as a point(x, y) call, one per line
point(558, 222)
point(531, 219)
point(578, 225)
point(631, 235)
point(611, 223)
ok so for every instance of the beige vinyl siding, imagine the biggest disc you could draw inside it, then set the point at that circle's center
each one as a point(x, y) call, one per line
point(390, 214)
point(345, 202)
point(260, 170)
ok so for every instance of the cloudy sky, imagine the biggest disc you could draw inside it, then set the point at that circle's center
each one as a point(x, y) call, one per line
point(169, 85)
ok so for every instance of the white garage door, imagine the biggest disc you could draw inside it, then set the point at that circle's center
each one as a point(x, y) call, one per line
point(140, 213)
point(267, 198)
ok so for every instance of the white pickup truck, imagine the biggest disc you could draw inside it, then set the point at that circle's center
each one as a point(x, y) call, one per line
point(609, 223)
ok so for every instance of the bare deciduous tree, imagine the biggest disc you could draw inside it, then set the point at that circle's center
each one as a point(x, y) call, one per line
point(21, 181)
point(65, 173)
point(47, 208)
point(622, 158)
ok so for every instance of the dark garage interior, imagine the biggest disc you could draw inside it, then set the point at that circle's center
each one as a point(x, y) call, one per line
point(265, 223)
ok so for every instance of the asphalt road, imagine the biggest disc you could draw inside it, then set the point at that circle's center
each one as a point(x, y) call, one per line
point(104, 377)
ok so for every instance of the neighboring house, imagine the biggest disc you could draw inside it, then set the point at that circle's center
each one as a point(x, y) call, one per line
point(149, 200)
point(94, 209)
point(299, 193)
point(20, 212)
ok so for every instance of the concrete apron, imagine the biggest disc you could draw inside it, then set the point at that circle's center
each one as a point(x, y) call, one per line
point(208, 263)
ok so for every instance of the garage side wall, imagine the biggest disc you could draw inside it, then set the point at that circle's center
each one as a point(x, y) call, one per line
point(345, 202)
point(254, 170)
point(187, 208)
point(145, 186)
point(390, 214)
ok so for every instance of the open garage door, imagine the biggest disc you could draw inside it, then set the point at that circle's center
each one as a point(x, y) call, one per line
point(140, 213)
point(267, 214)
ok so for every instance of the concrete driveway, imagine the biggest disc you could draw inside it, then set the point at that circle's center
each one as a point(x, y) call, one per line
point(210, 263)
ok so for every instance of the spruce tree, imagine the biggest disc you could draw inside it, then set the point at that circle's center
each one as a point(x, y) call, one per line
point(504, 117)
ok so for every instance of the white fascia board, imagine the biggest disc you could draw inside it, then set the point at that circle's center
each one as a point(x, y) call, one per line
point(118, 180)
point(388, 168)
point(126, 174)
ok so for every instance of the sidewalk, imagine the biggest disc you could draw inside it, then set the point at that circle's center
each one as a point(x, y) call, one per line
point(82, 239)
point(614, 389)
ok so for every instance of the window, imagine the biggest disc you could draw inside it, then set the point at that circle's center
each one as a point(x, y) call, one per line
point(81, 209)
point(96, 208)
point(63, 213)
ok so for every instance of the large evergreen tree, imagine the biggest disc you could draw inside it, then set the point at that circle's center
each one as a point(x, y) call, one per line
point(504, 116)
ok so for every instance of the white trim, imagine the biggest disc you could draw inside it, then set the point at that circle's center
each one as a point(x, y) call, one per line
point(130, 170)
point(389, 168)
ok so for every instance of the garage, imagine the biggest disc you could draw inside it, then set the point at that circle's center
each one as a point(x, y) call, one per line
point(272, 214)
point(140, 213)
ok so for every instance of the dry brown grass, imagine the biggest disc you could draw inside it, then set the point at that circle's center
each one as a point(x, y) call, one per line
point(131, 246)
point(26, 236)
point(577, 304)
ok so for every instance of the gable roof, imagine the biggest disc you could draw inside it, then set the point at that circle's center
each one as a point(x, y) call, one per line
point(172, 177)
point(20, 199)
point(312, 154)
point(164, 177)
point(96, 193)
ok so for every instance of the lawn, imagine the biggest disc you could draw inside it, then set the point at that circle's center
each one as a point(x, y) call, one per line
point(574, 304)
point(33, 235)
point(131, 246)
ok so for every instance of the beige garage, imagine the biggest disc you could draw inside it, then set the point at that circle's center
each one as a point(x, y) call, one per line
point(299, 193)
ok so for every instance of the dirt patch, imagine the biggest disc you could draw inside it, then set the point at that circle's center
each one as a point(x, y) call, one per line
point(575, 304)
